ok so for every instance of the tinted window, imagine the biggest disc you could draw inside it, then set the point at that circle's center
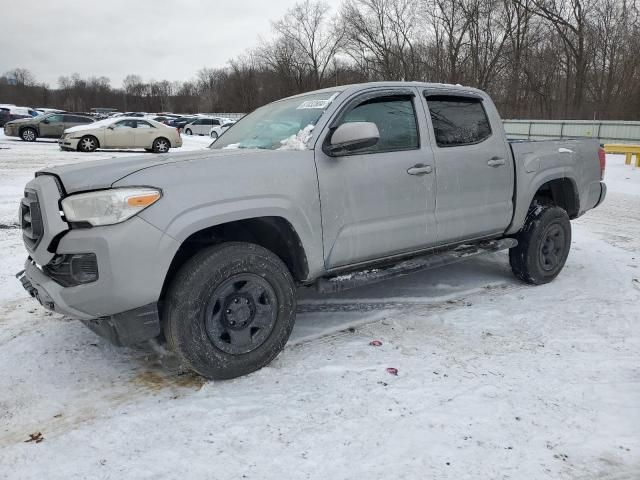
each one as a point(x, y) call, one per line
point(214, 122)
point(143, 124)
point(126, 123)
point(55, 118)
point(458, 120)
point(74, 119)
point(395, 118)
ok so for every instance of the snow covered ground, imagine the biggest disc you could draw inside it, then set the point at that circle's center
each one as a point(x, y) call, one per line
point(495, 379)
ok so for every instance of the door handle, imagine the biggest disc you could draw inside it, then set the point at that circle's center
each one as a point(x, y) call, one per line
point(496, 162)
point(420, 169)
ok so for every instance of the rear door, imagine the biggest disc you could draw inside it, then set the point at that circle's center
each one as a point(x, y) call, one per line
point(145, 133)
point(52, 126)
point(374, 202)
point(474, 170)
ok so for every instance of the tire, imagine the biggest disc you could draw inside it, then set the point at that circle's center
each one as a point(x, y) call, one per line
point(543, 245)
point(188, 132)
point(88, 143)
point(214, 136)
point(161, 145)
point(230, 310)
point(28, 134)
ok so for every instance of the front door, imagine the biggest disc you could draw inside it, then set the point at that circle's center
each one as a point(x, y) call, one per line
point(474, 170)
point(375, 202)
point(122, 135)
point(52, 126)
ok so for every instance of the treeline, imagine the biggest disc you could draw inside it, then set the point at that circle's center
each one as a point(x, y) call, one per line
point(537, 58)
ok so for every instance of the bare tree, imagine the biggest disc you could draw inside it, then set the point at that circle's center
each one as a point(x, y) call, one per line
point(308, 28)
point(380, 37)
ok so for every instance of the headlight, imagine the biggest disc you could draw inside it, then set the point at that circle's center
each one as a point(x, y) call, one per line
point(106, 207)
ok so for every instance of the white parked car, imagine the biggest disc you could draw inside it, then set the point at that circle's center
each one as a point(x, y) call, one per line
point(203, 125)
point(121, 132)
point(218, 130)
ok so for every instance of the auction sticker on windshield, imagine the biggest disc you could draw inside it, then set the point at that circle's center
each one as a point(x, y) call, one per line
point(314, 104)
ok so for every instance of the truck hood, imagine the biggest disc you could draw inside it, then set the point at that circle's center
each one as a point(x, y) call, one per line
point(97, 174)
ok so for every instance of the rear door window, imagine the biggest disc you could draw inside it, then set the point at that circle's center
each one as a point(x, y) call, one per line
point(458, 120)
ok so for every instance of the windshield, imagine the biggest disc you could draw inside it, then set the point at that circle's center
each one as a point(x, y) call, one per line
point(283, 125)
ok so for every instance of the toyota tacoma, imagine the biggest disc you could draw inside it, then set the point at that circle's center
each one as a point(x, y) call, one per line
point(330, 189)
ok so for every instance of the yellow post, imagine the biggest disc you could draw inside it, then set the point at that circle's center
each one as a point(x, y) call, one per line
point(629, 151)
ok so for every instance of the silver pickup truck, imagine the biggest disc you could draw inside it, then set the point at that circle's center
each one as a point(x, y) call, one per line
point(332, 189)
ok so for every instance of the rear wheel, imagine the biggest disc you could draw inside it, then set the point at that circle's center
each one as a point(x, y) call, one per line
point(88, 143)
point(161, 145)
point(230, 310)
point(29, 135)
point(543, 245)
point(214, 135)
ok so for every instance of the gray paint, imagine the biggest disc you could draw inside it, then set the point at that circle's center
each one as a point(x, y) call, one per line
point(346, 210)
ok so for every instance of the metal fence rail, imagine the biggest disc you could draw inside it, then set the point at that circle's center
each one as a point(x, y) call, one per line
point(606, 131)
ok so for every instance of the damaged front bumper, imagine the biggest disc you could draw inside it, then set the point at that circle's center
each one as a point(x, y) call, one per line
point(122, 329)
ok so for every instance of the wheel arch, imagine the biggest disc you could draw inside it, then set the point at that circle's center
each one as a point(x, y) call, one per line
point(556, 190)
point(561, 192)
point(271, 232)
point(32, 127)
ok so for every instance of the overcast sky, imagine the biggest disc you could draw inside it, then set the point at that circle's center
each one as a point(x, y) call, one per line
point(157, 39)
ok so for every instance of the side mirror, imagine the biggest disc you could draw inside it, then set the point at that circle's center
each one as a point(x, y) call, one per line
point(45, 121)
point(353, 136)
point(111, 127)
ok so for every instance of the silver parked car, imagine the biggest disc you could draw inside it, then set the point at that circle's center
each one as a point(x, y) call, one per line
point(203, 125)
point(218, 130)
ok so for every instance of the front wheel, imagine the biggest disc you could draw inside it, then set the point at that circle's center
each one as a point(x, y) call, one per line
point(29, 135)
point(230, 310)
point(88, 144)
point(188, 132)
point(160, 145)
point(543, 245)
point(214, 135)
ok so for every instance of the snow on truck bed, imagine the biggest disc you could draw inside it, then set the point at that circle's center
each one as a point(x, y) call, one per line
point(494, 379)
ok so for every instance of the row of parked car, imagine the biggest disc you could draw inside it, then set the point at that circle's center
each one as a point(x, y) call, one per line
point(10, 112)
point(198, 124)
point(76, 131)
point(83, 133)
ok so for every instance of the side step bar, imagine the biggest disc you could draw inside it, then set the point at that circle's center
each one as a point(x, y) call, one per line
point(412, 265)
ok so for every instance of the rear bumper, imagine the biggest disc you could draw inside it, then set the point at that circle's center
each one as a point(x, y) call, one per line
point(603, 194)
